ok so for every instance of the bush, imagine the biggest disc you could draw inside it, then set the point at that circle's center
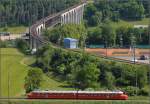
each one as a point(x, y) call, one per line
point(144, 91)
point(22, 45)
point(130, 90)
point(33, 80)
point(3, 44)
point(7, 44)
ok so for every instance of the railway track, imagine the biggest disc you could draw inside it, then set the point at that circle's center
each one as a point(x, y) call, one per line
point(57, 100)
point(120, 60)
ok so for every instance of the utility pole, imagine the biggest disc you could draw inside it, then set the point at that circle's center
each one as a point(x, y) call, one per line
point(134, 58)
point(121, 41)
point(0, 71)
point(106, 48)
point(149, 48)
point(149, 54)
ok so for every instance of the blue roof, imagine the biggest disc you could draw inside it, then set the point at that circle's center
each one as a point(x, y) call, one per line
point(71, 39)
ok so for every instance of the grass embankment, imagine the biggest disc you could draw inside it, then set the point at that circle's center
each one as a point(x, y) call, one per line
point(78, 102)
point(18, 65)
point(14, 29)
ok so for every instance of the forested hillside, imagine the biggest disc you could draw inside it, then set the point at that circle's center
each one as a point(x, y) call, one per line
point(108, 18)
point(103, 10)
point(84, 71)
point(16, 12)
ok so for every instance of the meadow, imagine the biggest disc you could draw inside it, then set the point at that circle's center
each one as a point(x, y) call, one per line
point(14, 29)
point(14, 68)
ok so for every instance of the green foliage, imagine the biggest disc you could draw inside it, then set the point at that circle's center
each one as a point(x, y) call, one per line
point(142, 76)
point(44, 57)
point(103, 10)
point(109, 80)
point(7, 44)
point(84, 71)
point(33, 80)
point(3, 44)
point(57, 34)
point(127, 34)
point(109, 35)
point(86, 76)
point(122, 36)
point(132, 10)
point(130, 90)
point(22, 45)
point(89, 13)
point(144, 91)
point(95, 36)
point(25, 12)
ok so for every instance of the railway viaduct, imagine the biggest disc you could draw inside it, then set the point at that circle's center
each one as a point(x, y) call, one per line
point(73, 14)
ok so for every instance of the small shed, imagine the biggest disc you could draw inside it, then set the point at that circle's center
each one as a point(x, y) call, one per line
point(70, 43)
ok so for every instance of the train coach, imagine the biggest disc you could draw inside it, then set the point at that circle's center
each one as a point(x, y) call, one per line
point(81, 95)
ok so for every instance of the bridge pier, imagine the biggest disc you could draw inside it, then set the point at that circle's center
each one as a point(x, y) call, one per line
point(73, 16)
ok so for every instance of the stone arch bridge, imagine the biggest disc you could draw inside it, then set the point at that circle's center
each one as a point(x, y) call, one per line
point(73, 14)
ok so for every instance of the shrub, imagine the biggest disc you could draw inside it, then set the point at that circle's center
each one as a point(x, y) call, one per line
point(144, 91)
point(130, 90)
point(33, 80)
point(7, 44)
point(22, 45)
point(3, 44)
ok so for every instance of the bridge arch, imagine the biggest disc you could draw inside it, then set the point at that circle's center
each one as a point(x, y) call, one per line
point(74, 15)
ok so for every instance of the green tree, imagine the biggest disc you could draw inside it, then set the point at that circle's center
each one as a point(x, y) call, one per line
point(96, 19)
point(44, 57)
point(95, 36)
point(16, 12)
point(109, 80)
point(33, 80)
point(105, 8)
point(109, 35)
point(22, 45)
point(89, 14)
point(87, 76)
point(142, 76)
point(132, 10)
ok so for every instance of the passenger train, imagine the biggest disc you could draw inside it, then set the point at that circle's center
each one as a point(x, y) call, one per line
point(81, 95)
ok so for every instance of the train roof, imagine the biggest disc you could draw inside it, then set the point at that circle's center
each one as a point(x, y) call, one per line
point(91, 92)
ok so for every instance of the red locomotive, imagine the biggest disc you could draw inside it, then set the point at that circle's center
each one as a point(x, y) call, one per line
point(82, 95)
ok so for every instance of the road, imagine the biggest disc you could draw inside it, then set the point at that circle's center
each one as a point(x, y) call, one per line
point(131, 58)
point(12, 37)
